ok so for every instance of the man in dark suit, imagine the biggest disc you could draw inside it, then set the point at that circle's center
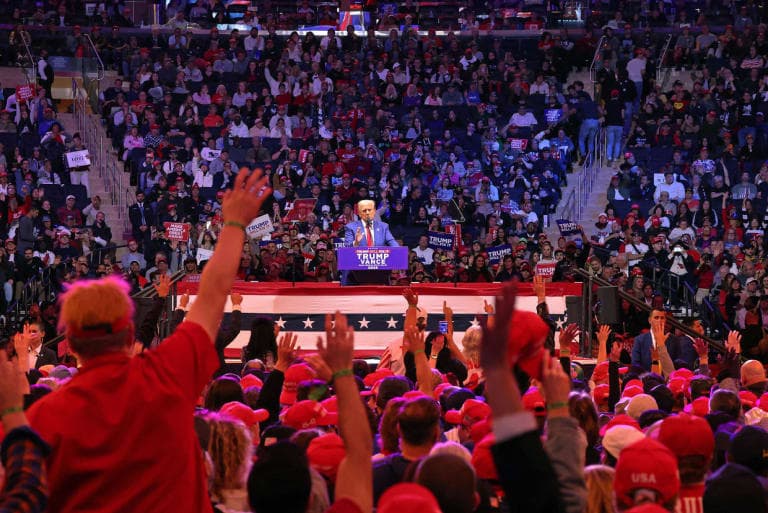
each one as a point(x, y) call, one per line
point(142, 217)
point(39, 355)
point(366, 232)
point(646, 343)
point(26, 231)
point(681, 347)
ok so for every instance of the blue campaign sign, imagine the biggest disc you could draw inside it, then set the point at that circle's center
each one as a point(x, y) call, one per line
point(384, 258)
point(567, 227)
point(440, 240)
point(496, 253)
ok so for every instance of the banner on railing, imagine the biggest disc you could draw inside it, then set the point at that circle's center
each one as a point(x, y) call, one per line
point(79, 158)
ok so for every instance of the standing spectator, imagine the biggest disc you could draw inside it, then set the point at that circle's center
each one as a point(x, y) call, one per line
point(45, 72)
point(614, 121)
point(141, 217)
point(636, 73)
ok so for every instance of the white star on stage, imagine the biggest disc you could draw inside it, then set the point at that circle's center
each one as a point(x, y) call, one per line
point(308, 323)
point(281, 322)
point(474, 322)
point(560, 324)
point(392, 323)
point(364, 323)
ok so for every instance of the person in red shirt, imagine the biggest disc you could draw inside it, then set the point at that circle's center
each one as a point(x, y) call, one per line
point(213, 120)
point(121, 431)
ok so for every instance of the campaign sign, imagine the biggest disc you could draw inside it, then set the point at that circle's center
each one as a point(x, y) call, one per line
point(496, 253)
point(439, 240)
point(78, 158)
point(567, 227)
point(546, 269)
point(203, 255)
point(177, 231)
point(338, 242)
point(385, 258)
point(260, 227)
point(552, 115)
point(518, 144)
point(24, 92)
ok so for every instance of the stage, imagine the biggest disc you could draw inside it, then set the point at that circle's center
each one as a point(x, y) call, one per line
point(376, 312)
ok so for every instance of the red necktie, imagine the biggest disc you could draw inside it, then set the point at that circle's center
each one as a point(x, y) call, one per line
point(368, 235)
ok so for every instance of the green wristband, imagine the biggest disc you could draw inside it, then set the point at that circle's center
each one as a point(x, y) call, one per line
point(418, 351)
point(12, 409)
point(556, 406)
point(342, 373)
point(235, 224)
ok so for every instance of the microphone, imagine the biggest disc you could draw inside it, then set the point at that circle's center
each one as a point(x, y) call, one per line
point(369, 224)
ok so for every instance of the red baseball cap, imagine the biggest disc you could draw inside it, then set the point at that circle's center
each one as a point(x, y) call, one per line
point(527, 334)
point(471, 411)
point(408, 498)
point(646, 464)
point(600, 374)
point(632, 391)
point(699, 406)
point(249, 380)
point(243, 413)
point(686, 435)
point(307, 414)
point(377, 375)
point(748, 398)
point(482, 458)
point(600, 393)
point(294, 375)
point(325, 454)
point(534, 402)
point(619, 420)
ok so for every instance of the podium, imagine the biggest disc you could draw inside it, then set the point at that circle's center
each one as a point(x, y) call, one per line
point(370, 265)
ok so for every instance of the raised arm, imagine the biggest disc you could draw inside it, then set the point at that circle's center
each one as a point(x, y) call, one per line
point(355, 476)
point(240, 206)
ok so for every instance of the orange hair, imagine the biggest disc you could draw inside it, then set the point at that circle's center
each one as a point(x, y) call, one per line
point(90, 303)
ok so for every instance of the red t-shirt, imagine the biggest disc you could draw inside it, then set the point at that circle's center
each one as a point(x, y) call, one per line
point(344, 506)
point(121, 431)
point(691, 499)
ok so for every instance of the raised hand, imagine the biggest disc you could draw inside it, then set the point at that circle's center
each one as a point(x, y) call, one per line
point(358, 236)
point(286, 351)
point(555, 384)
point(493, 353)
point(701, 347)
point(447, 312)
point(243, 203)
point(540, 287)
point(487, 307)
point(568, 336)
point(411, 296)
point(603, 334)
point(316, 362)
point(338, 349)
point(163, 286)
point(659, 332)
point(414, 339)
point(733, 341)
point(237, 299)
point(184, 300)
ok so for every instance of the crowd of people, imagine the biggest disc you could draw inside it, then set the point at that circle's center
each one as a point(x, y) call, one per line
point(502, 423)
point(467, 136)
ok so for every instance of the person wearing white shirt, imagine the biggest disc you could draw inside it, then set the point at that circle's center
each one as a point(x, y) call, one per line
point(237, 128)
point(674, 188)
point(523, 118)
point(423, 251)
point(203, 178)
point(636, 248)
point(253, 43)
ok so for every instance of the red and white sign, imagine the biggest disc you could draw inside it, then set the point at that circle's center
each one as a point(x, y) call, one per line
point(24, 92)
point(300, 210)
point(177, 231)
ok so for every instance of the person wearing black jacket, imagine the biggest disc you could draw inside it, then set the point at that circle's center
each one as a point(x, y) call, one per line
point(225, 336)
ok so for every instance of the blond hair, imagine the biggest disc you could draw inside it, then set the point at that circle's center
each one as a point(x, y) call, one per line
point(229, 447)
point(471, 344)
point(599, 479)
point(92, 304)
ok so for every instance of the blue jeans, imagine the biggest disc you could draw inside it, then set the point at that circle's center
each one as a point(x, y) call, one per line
point(587, 133)
point(639, 98)
point(613, 149)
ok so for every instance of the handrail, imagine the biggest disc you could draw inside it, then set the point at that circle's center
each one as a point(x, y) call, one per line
point(597, 57)
point(578, 199)
point(100, 70)
point(661, 69)
point(26, 38)
point(644, 307)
